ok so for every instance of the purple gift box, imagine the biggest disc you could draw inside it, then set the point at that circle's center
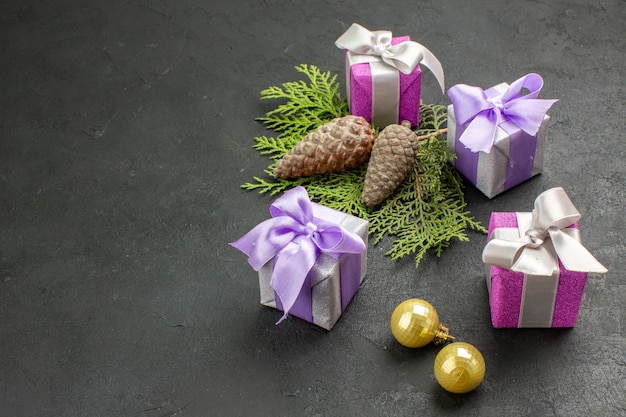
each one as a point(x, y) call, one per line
point(500, 137)
point(311, 259)
point(525, 300)
point(369, 95)
point(331, 284)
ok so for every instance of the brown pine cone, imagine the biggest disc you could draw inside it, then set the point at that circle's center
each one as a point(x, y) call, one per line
point(339, 145)
point(393, 157)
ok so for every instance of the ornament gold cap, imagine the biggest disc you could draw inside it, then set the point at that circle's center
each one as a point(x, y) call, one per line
point(442, 335)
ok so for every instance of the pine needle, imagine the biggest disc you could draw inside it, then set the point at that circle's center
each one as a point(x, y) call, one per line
point(427, 212)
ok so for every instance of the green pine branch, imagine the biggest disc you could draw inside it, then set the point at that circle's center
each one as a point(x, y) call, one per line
point(427, 212)
point(308, 105)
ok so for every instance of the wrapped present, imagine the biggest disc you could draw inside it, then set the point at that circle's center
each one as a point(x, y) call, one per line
point(536, 264)
point(311, 259)
point(498, 134)
point(383, 76)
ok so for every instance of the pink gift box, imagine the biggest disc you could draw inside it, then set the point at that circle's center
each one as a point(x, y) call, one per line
point(513, 295)
point(361, 86)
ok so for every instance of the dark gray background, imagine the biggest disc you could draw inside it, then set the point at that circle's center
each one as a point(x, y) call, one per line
point(126, 129)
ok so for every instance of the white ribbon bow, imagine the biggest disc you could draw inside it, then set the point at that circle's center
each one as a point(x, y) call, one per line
point(405, 56)
point(544, 241)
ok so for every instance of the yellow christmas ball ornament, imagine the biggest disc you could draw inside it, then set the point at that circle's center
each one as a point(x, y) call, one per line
point(415, 323)
point(459, 367)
